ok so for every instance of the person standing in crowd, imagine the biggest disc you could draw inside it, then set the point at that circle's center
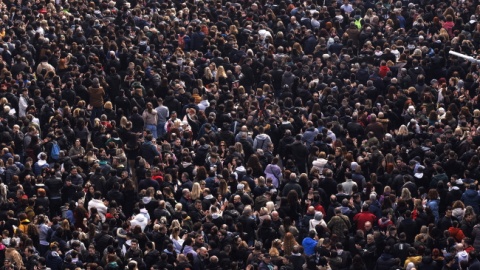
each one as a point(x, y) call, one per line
point(335, 135)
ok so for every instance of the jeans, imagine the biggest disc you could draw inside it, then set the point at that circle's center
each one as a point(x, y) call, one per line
point(96, 113)
point(153, 129)
point(161, 129)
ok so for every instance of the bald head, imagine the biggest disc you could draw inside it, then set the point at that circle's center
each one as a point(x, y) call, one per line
point(368, 225)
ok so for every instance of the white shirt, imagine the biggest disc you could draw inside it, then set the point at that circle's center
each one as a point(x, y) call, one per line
point(347, 8)
point(22, 106)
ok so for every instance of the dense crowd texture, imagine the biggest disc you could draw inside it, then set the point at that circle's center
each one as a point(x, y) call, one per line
point(272, 134)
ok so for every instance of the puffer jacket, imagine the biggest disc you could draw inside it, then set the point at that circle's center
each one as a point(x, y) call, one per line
point(139, 220)
point(385, 262)
point(471, 198)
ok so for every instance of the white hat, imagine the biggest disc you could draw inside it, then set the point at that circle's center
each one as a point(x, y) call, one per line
point(473, 19)
point(240, 186)
point(354, 166)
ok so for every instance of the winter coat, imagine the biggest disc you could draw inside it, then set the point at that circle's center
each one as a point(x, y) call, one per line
point(139, 220)
point(261, 142)
point(309, 245)
point(385, 262)
point(414, 259)
point(14, 256)
point(471, 198)
point(53, 260)
point(101, 208)
point(456, 233)
point(339, 224)
point(96, 96)
point(434, 206)
point(287, 79)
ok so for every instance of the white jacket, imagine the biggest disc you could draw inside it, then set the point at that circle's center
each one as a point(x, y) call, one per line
point(319, 163)
point(139, 220)
point(101, 208)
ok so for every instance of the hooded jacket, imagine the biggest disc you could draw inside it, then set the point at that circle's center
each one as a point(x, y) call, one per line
point(14, 256)
point(385, 262)
point(96, 96)
point(318, 219)
point(414, 259)
point(53, 260)
point(23, 225)
point(261, 142)
point(288, 78)
point(456, 233)
point(102, 209)
point(319, 163)
point(462, 256)
point(309, 245)
point(139, 220)
point(428, 263)
point(471, 198)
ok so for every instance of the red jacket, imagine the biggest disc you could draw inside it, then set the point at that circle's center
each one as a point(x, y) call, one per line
point(361, 218)
point(456, 233)
point(383, 71)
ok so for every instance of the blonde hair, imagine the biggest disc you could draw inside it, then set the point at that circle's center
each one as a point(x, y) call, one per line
point(208, 73)
point(220, 73)
point(108, 105)
point(403, 130)
point(196, 191)
point(406, 195)
point(270, 206)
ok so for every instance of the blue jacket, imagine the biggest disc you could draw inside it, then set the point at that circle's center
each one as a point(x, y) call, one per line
point(310, 44)
point(309, 245)
point(433, 205)
point(197, 41)
point(376, 209)
point(148, 151)
point(53, 260)
point(471, 198)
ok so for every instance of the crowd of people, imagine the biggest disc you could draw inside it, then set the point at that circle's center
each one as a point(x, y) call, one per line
point(210, 134)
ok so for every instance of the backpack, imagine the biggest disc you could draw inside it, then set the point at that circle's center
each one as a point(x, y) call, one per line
point(30, 153)
point(181, 41)
point(358, 23)
point(55, 152)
